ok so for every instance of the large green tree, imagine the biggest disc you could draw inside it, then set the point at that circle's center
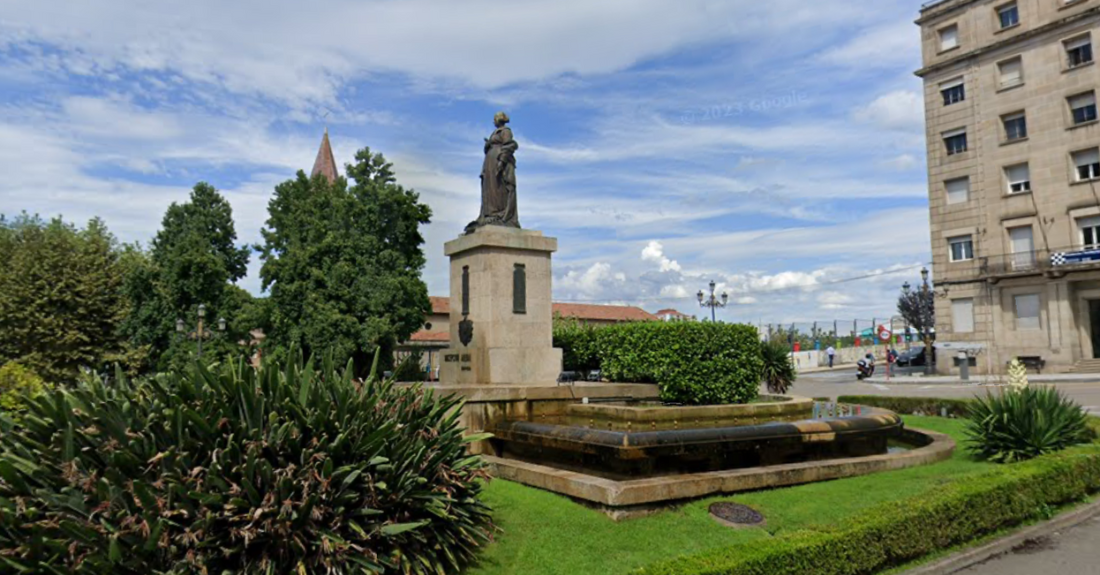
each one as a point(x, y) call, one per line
point(343, 263)
point(60, 296)
point(193, 260)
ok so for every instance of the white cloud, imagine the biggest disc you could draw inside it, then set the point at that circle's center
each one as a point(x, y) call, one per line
point(902, 162)
point(654, 252)
point(833, 300)
point(594, 280)
point(892, 45)
point(288, 52)
point(899, 110)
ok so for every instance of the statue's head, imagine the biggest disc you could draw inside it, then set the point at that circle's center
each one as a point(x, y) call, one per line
point(500, 118)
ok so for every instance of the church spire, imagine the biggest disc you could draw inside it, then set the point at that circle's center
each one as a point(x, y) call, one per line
point(325, 164)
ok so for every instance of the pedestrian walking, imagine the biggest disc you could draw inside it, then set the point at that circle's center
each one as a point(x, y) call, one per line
point(832, 355)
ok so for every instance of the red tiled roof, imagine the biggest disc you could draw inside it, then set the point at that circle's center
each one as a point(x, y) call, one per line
point(592, 312)
point(430, 336)
point(325, 164)
point(441, 305)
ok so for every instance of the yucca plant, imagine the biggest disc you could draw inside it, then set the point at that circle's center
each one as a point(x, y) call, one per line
point(779, 373)
point(292, 469)
point(1023, 423)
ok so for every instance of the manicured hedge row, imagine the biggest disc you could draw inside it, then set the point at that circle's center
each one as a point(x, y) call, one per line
point(911, 405)
point(893, 534)
point(694, 363)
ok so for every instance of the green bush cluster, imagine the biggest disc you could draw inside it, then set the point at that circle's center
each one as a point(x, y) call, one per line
point(1023, 423)
point(579, 343)
point(912, 405)
point(17, 386)
point(893, 534)
point(693, 363)
point(293, 468)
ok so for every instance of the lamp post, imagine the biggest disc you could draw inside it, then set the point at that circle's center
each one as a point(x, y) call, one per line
point(712, 301)
point(200, 333)
point(905, 288)
point(926, 295)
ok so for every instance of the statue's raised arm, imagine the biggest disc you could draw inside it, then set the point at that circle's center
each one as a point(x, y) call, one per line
point(498, 179)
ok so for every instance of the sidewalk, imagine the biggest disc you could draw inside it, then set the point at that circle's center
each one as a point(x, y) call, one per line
point(1065, 544)
point(981, 379)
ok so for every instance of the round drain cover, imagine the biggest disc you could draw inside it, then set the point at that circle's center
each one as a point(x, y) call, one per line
point(735, 513)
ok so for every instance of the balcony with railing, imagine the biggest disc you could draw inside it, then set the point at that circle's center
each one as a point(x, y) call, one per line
point(1049, 262)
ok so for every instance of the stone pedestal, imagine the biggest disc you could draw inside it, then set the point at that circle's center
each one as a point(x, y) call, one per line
point(501, 318)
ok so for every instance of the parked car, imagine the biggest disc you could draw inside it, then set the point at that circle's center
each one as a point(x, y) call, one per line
point(913, 357)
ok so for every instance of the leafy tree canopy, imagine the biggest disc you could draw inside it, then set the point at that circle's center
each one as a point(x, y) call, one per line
point(193, 261)
point(60, 296)
point(196, 249)
point(343, 263)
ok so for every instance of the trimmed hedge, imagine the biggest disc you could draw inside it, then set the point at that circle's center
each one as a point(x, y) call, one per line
point(894, 534)
point(694, 363)
point(912, 405)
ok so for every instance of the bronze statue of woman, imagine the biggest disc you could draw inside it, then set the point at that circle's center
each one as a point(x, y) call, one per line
point(498, 179)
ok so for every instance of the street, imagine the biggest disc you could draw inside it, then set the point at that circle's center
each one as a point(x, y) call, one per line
point(1070, 552)
point(842, 381)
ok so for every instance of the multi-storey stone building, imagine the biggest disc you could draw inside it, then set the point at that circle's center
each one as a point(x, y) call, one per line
point(1014, 178)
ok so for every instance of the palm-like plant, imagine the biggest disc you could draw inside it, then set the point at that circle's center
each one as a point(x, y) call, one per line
point(1023, 423)
point(294, 468)
point(779, 372)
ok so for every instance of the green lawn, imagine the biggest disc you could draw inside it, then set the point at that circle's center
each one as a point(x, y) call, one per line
point(546, 534)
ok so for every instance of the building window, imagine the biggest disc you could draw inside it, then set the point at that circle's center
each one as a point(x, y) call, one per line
point(954, 91)
point(1090, 232)
point(1027, 311)
point(1011, 72)
point(1018, 178)
point(1079, 51)
point(962, 315)
point(1083, 107)
point(949, 37)
point(962, 248)
point(958, 190)
point(1023, 247)
point(1015, 126)
point(955, 141)
point(1087, 163)
point(1009, 15)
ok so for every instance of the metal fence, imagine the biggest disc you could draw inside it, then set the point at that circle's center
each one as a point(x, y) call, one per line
point(810, 335)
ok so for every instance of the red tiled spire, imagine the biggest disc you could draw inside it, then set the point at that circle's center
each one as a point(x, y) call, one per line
point(325, 164)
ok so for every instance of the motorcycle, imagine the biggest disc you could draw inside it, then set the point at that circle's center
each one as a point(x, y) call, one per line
point(864, 369)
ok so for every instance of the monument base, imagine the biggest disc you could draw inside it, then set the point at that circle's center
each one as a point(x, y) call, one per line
point(501, 316)
point(501, 366)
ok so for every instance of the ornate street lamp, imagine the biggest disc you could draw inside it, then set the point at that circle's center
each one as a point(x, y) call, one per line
point(712, 301)
point(200, 333)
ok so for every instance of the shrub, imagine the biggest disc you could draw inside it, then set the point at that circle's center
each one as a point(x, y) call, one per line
point(578, 342)
point(694, 363)
point(288, 469)
point(779, 372)
point(912, 405)
point(18, 385)
point(1025, 422)
point(896, 533)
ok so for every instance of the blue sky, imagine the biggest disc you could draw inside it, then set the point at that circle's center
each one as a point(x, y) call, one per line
point(774, 147)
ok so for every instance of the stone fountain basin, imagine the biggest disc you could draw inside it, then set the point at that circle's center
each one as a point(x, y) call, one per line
point(715, 444)
point(634, 457)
